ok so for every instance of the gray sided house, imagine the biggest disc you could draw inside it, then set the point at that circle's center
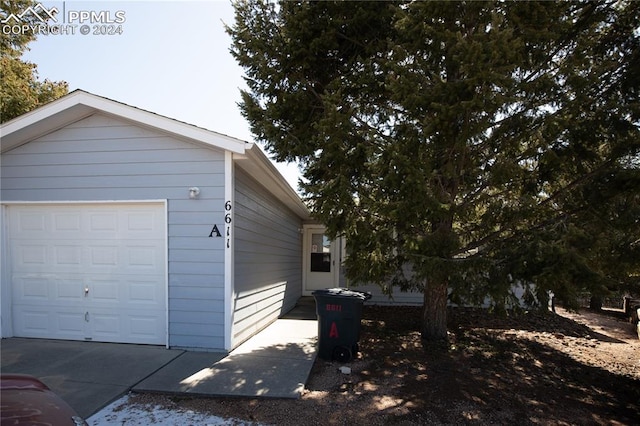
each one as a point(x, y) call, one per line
point(121, 225)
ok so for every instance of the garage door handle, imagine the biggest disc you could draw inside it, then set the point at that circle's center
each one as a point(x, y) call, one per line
point(86, 316)
point(86, 291)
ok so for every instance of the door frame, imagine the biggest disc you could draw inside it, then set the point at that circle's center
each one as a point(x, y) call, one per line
point(336, 258)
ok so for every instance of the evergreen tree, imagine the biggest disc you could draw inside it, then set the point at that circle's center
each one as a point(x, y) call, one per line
point(21, 91)
point(460, 147)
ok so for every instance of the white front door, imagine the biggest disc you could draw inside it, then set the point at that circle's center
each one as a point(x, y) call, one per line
point(89, 271)
point(321, 261)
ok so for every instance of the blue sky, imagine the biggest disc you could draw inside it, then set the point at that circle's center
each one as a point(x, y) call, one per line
point(172, 58)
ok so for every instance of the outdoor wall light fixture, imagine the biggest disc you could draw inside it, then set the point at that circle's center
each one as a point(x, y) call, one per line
point(194, 192)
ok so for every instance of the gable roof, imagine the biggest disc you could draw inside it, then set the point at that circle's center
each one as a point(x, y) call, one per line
point(79, 104)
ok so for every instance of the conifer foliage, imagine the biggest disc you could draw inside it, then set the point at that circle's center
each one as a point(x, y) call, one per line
point(461, 148)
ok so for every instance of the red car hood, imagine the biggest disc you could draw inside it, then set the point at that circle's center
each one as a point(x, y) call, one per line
point(25, 400)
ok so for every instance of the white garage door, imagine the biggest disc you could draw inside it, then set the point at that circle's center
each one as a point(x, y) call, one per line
point(89, 272)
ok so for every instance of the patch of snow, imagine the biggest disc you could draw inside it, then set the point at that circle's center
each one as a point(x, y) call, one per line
point(123, 412)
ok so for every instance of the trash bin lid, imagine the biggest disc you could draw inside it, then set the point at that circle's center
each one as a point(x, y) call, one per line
point(343, 293)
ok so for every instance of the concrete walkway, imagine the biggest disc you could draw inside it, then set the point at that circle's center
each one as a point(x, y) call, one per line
point(275, 363)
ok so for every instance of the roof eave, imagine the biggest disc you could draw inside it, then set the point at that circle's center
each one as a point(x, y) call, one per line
point(256, 163)
point(79, 104)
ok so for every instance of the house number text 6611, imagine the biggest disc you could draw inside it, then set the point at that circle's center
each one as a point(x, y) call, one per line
point(227, 220)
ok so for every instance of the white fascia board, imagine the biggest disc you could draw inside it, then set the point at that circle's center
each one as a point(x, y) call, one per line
point(43, 120)
point(79, 104)
point(42, 112)
point(169, 125)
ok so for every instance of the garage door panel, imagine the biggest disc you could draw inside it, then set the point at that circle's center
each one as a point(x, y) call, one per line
point(31, 222)
point(61, 323)
point(144, 257)
point(35, 323)
point(29, 255)
point(71, 324)
point(104, 291)
point(141, 327)
point(103, 256)
point(106, 326)
point(89, 272)
point(144, 328)
point(67, 223)
point(144, 224)
point(103, 222)
point(69, 290)
point(116, 292)
point(33, 289)
point(97, 325)
point(47, 289)
point(67, 255)
point(144, 293)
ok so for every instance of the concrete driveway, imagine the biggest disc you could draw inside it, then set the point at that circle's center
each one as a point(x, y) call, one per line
point(87, 375)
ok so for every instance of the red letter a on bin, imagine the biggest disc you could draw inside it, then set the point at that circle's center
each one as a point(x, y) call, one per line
point(333, 333)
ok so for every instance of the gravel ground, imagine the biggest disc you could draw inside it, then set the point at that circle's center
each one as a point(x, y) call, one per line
point(570, 368)
point(147, 410)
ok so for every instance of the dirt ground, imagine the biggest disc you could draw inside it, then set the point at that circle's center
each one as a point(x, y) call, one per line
point(528, 369)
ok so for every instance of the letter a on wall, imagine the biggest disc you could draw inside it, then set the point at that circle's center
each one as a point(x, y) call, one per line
point(215, 232)
point(333, 333)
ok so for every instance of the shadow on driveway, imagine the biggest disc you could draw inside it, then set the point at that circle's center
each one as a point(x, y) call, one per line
point(87, 375)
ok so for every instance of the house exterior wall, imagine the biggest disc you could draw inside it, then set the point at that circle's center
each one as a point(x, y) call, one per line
point(379, 298)
point(101, 158)
point(412, 298)
point(402, 298)
point(268, 258)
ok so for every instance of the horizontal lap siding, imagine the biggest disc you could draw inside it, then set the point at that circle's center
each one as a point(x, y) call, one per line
point(414, 298)
point(103, 158)
point(268, 258)
point(379, 298)
point(401, 298)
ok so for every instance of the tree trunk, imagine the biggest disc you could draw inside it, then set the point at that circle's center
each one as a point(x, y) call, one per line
point(595, 303)
point(434, 316)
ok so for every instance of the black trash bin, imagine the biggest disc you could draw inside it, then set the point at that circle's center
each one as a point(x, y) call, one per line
point(339, 313)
